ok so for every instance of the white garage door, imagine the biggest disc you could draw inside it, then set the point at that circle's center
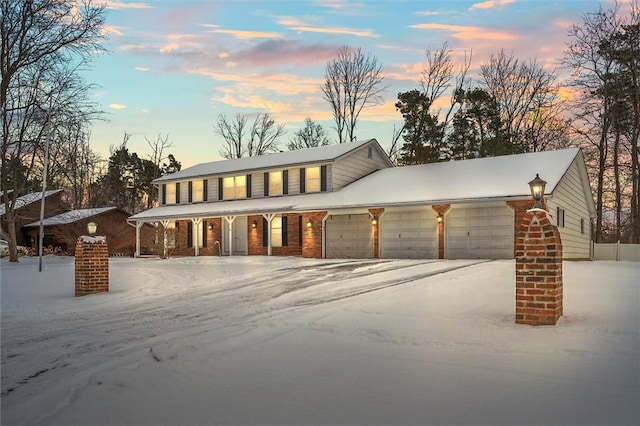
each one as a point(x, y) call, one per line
point(409, 235)
point(479, 233)
point(349, 236)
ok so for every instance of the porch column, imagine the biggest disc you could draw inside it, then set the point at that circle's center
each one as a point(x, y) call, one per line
point(165, 242)
point(196, 224)
point(269, 217)
point(230, 220)
point(138, 226)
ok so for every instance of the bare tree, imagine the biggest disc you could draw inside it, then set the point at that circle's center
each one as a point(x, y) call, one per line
point(158, 147)
point(44, 44)
point(241, 139)
point(522, 90)
point(311, 135)
point(353, 81)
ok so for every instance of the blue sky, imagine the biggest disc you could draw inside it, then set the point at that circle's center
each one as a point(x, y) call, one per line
point(174, 66)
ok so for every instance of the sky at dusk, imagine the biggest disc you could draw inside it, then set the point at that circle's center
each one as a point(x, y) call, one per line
point(174, 66)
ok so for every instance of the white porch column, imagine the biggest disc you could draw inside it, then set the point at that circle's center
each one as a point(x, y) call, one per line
point(269, 217)
point(165, 241)
point(196, 225)
point(138, 226)
point(230, 220)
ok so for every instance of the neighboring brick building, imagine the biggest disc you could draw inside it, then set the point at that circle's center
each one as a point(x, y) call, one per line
point(27, 210)
point(64, 229)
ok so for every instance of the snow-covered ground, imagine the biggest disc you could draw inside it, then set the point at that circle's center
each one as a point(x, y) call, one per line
point(258, 340)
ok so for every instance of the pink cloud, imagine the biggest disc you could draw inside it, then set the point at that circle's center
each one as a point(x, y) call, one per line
point(466, 32)
point(244, 35)
point(299, 25)
point(490, 4)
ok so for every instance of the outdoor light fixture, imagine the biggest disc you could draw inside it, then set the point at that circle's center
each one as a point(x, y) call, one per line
point(537, 191)
point(309, 224)
point(92, 227)
point(254, 224)
point(374, 221)
point(439, 218)
point(210, 227)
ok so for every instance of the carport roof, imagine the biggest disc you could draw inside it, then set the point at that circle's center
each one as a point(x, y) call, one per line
point(477, 180)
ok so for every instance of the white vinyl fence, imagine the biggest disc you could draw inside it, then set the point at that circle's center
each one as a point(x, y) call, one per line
point(616, 251)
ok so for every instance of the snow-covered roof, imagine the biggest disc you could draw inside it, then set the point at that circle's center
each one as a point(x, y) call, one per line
point(70, 217)
point(327, 153)
point(30, 198)
point(453, 181)
point(482, 179)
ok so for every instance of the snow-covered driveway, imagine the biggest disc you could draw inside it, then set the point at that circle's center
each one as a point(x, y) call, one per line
point(292, 341)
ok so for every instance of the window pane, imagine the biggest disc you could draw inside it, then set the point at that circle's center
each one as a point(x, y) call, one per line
point(171, 193)
point(313, 179)
point(276, 232)
point(275, 183)
point(196, 190)
point(241, 186)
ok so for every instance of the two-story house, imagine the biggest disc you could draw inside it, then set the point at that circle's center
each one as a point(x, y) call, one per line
point(349, 201)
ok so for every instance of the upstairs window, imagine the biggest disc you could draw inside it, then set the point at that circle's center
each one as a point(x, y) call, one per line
point(170, 193)
point(275, 183)
point(312, 183)
point(197, 191)
point(234, 187)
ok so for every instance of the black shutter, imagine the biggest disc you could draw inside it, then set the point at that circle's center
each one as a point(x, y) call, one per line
point(285, 182)
point(285, 232)
point(219, 188)
point(205, 190)
point(303, 178)
point(164, 194)
point(323, 178)
point(266, 184)
point(248, 182)
point(265, 237)
point(204, 233)
point(190, 191)
point(300, 230)
point(189, 234)
point(178, 193)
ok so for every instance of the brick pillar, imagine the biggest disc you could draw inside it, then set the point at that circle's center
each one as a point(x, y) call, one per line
point(376, 213)
point(441, 209)
point(538, 270)
point(92, 265)
point(312, 236)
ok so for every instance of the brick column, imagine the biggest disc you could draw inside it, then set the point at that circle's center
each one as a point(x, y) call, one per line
point(376, 213)
point(538, 270)
point(92, 265)
point(441, 209)
point(312, 236)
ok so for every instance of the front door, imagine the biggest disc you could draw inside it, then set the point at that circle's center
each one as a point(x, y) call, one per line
point(239, 236)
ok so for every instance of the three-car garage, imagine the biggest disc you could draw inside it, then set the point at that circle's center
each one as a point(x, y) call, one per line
point(485, 232)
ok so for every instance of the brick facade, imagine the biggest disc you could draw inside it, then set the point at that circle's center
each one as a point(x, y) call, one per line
point(214, 239)
point(294, 245)
point(30, 213)
point(538, 270)
point(91, 266)
point(376, 213)
point(441, 209)
point(312, 236)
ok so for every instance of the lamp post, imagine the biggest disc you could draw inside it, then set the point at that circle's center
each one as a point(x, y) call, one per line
point(537, 191)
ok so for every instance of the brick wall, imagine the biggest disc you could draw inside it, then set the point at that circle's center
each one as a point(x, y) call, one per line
point(214, 233)
point(441, 209)
point(31, 212)
point(91, 267)
point(293, 247)
point(376, 213)
point(312, 236)
point(538, 270)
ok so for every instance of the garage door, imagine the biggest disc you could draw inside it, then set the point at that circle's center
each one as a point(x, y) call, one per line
point(349, 236)
point(479, 233)
point(409, 235)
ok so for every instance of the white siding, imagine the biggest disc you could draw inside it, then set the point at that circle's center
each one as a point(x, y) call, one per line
point(354, 166)
point(569, 195)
